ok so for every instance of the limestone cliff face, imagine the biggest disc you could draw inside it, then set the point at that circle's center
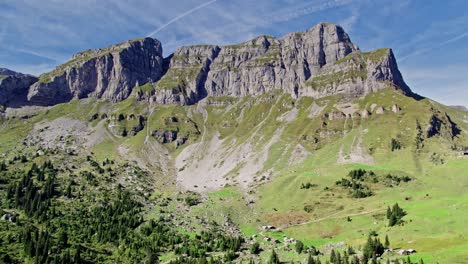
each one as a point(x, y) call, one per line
point(356, 75)
point(257, 66)
point(14, 87)
point(318, 62)
point(110, 73)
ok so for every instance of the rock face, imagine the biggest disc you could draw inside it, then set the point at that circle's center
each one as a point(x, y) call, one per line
point(254, 67)
point(318, 62)
point(14, 87)
point(110, 73)
point(440, 124)
point(358, 74)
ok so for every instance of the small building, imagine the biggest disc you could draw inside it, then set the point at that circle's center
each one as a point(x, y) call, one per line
point(406, 252)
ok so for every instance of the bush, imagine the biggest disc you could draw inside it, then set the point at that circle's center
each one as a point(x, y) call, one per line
point(308, 185)
point(299, 247)
point(395, 144)
point(255, 248)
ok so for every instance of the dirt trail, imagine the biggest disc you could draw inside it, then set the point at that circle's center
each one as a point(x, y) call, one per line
point(332, 216)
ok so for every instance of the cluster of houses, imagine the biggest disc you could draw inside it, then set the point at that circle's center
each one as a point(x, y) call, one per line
point(406, 252)
point(268, 227)
point(269, 239)
point(403, 252)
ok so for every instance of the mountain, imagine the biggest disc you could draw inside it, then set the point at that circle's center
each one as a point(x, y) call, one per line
point(318, 62)
point(14, 87)
point(460, 107)
point(108, 73)
point(230, 153)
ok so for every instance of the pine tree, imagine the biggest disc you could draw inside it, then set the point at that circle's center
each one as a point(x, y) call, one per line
point(68, 192)
point(299, 247)
point(3, 166)
point(387, 242)
point(273, 258)
point(332, 256)
point(310, 259)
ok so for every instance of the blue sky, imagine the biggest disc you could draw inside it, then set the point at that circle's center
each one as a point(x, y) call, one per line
point(429, 38)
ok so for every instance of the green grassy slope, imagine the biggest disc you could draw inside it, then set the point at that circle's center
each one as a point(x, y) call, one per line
point(435, 199)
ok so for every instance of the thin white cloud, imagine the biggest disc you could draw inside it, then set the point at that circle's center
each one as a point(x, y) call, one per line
point(39, 54)
point(349, 22)
point(309, 8)
point(441, 44)
point(242, 27)
point(179, 17)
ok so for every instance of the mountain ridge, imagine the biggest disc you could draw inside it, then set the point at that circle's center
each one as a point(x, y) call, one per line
point(317, 62)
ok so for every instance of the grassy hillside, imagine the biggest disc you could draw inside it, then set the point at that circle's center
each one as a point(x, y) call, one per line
point(240, 164)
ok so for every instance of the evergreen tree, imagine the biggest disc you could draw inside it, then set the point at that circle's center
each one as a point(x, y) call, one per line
point(68, 192)
point(395, 215)
point(3, 166)
point(299, 247)
point(273, 258)
point(332, 256)
point(387, 242)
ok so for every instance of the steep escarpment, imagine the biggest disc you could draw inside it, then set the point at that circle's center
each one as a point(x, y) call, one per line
point(318, 62)
point(257, 66)
point(357, 74)
point(14, 87)
point(110, 73)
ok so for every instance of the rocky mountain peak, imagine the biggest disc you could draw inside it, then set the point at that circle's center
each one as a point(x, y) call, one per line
point(14, 87)
point(109, 73)
point(317, 62)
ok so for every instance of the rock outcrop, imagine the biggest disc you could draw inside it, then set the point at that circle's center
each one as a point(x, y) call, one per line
point(14, 87)
point(254, 67)
point(440, 124)
point(358, 74)
point(110, 73)
point(318, 62)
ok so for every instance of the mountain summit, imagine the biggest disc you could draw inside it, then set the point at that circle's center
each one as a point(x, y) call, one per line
point(318, 62)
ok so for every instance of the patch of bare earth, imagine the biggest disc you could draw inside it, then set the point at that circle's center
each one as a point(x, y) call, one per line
point(356, 154)
point(212, 163)
point(286, 218)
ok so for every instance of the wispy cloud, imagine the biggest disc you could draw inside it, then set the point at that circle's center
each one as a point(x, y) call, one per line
point(433, 47)
point(349, 23)
point(179, 17)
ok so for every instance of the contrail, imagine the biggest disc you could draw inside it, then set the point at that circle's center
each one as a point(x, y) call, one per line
point(180, 17)
point(422, 51)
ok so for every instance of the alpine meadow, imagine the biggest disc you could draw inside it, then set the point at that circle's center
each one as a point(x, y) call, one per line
point(295, 149)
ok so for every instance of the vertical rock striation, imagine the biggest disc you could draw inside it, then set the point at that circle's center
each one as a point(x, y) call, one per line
point(110, 73)
point(318, 62)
